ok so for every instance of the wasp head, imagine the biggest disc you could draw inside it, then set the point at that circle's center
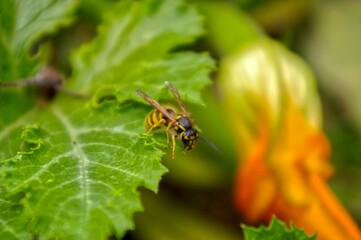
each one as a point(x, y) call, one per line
point(189, 139)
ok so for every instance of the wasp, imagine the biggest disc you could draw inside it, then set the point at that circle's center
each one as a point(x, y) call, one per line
point(178, 125)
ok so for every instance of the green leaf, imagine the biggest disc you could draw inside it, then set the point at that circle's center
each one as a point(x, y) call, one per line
point(79, 162)
point(11, 226)
point(82, 167)
point(133, 46)
point(14, 111)
point(22, 24)
point(276, 230)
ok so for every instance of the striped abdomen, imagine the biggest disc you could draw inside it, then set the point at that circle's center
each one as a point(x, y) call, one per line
point(155, 116)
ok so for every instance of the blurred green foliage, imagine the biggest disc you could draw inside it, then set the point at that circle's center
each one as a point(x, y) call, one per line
point(331, 43)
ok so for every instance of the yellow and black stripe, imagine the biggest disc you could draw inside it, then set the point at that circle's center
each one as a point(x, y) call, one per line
point(152, 118)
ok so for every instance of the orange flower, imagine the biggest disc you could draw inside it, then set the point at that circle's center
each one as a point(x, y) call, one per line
point(272, 101)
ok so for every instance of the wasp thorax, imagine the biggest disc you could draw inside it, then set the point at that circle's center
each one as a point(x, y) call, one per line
point(189, 138)
point(184, 123)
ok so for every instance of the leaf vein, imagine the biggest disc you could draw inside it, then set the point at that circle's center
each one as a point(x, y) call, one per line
point(117, 169)
point(44, 168)
point(9, 229)
point(83, 159)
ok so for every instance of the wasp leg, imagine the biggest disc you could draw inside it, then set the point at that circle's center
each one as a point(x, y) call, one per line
point(173, 140)
point(155, 125)
point(167, 131)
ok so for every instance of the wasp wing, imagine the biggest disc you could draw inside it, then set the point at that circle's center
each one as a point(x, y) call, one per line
point(155, 104)
point(177, 97)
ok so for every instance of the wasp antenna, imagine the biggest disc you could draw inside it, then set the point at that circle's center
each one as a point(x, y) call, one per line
point(211, 144)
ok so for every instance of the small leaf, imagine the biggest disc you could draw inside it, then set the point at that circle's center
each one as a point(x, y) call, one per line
point(276, 230)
